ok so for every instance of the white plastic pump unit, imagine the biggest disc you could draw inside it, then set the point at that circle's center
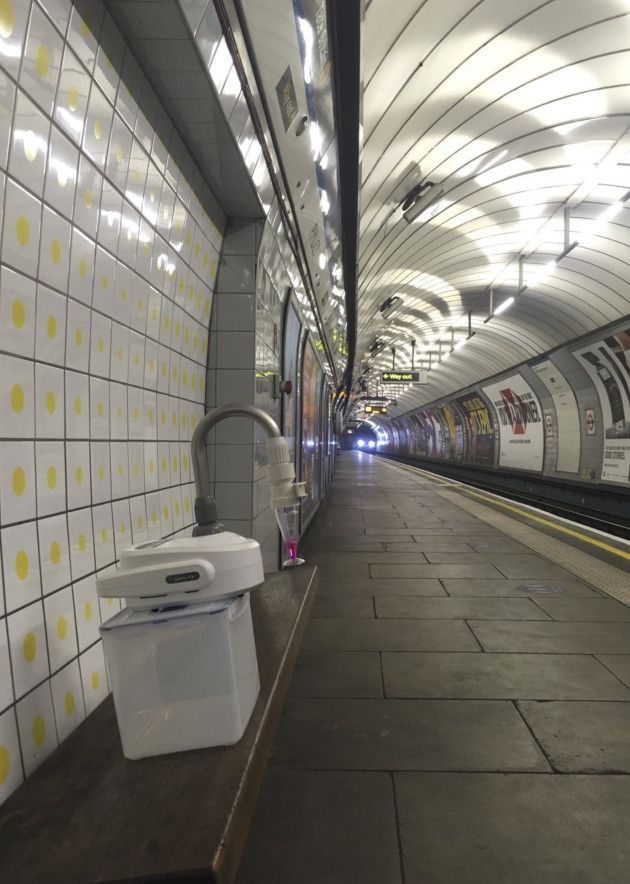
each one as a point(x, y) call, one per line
point(184, 571)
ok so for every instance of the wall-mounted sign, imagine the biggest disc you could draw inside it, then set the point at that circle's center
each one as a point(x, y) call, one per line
point(285, 90)
point(590, 422)
point(404, 377)
point(376, 409)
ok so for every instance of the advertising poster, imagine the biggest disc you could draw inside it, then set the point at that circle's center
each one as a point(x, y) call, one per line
point(311, 385)
point(606, 362)
point(290, 373)
point(479, 430)
point(567, 415)
point(521, 434)
point(434, 437)
point(454, 431)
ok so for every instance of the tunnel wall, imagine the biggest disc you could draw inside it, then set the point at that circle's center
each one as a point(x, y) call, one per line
point(565, 415)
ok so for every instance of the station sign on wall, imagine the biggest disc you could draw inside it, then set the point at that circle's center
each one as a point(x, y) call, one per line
point(405, 377)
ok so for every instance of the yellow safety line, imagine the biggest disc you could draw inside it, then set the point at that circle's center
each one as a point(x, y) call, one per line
point(514, 509)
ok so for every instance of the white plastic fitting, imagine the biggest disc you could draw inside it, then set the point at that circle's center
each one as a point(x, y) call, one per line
point(285, 491)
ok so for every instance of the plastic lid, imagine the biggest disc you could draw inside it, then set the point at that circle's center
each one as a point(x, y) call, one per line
point(130, 617)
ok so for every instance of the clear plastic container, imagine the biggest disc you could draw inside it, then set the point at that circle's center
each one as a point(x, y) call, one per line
point(182, 678)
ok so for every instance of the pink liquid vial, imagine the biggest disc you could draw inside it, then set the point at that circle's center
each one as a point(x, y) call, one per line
point(292, 549)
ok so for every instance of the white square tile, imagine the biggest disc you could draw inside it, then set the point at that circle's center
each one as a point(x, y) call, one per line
point(128, 237)
point(77, 403)
point(136, 417)
point(150, 415)
point(121, 515)
point(72, 95)
point(103, 535)
point(78, 474)
point(123, 295)
point(61, 173)
point(104, 281)
point(109, 58)
point(164, 474)
point(154, 314)
point(150, 466)
point(81, 543)
point(166, 512)
point(119, 453)
point(81, 275)
point(29, 146)
point(174, 463)
point(61, 628)
point(154, 521)
point(18, 23)
point(145, 251)
point(7, 99)
point(20, 561)
point(77, 336)
point(49, 402)
point(50, 466)
point(17, 481)
point(17, 313)
point(50, 336)
point(67, 696)
point(163, 429)
point(101, 476)
point(136, 468)
point(10, 757)
point(27, 642)
point(21, 229)
point(54, 252)
point(140, 304)
point(118, 411)
point(97, 127)
point(36, 725)
point(85, 27)
point(100, 345)
point(119, 154)
point(163, 368)
point(139, 519)
point(109, 222)
point(54, 553)
point(17, 398)
point(175, 418)
point(177, 509)
point(88, 197)
point(120, 353)
point(93, 677)
point(136, 359)
point(174, 374)
point(99, 407)
point(184, 462)
point(6, 682)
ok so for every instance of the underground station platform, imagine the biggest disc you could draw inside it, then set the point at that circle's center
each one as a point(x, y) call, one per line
point(460, 708)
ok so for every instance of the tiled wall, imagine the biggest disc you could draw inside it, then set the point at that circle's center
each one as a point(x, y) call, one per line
point(108, 260)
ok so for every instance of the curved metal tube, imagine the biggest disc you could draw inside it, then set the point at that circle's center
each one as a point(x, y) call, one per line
point(198, 453)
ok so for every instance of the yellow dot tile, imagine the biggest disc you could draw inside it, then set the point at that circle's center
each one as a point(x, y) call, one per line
point(95, 680)
point(51, 402)
point(39, 731)
point(29, 647)
point(30, 146)
point(187, 505)
point(153, 516)
point(22, 230)
point(123, 528)
point(104, 283)
point(87, 611)
point(164, 464)
point(73, 98)
point(151, 466)
point(82, 542)
point(78, 475)
point(22, 565)
point(78, 406)
point(18, 313)
point(5, 764)
point(98, 129)
point(62, 628)
point(100, 410)
point(120, 469)
point(51, 327)
point(101, 472)
point(185, 462)
point(51, 478)
point(177, 508)
point(55, 251)
point(166, 513)
point(175, 464)
point(55, 552)
point(139, 522)
point(7, 18)
point(17, 398)
point(104, 535)
point(69, 704)
point(88, 199)
point(19, 481)
point(82, 267)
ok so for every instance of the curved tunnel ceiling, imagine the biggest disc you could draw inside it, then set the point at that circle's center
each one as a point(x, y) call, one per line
point(518, 114)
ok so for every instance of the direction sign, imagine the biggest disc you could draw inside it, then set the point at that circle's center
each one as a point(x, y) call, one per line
point(404, 377)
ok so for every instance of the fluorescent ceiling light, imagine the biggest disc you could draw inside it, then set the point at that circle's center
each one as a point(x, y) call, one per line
point(504, 306)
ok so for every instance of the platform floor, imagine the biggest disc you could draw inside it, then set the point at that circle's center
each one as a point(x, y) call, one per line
point(460, 710)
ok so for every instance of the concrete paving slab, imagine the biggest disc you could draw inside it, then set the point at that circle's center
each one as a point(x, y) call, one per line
point(459, 608)
point(339, 674)
point(588, 737)
point(357, 586)
point(514, 829)
point(500, 677)
point(405, 735)
point(342, 569)
point(322, 828)
point(484, 569)
point(593, 610)
point(333, 559)
point(521, 588)
point(393, 531)
point(479, 528)
point(499, 545)
point(528, 566)
point(388, 635)
point(428, 545)
point(551, 637)
point(346, 606)
point(619, 664)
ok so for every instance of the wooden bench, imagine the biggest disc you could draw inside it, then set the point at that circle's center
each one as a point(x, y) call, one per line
point(89, 815)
